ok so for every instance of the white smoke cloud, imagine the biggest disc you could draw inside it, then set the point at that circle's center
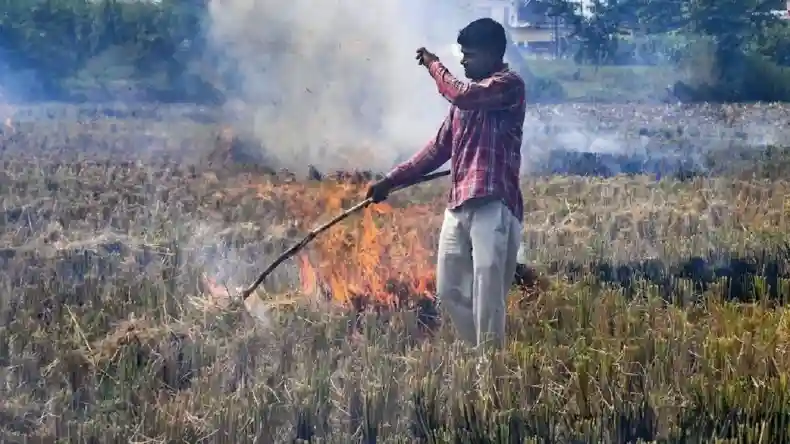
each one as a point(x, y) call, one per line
point(335, 83)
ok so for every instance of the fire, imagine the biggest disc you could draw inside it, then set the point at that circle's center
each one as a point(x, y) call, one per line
point(307, 276)
point(379, 257)
point(383, 256)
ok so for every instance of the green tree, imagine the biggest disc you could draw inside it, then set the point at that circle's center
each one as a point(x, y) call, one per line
point(596, 30)
point(59, 38)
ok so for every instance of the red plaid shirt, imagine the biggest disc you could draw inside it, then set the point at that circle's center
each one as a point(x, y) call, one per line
point(481, 136)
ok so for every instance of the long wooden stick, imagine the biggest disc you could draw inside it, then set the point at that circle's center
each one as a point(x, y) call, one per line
point(320, 229)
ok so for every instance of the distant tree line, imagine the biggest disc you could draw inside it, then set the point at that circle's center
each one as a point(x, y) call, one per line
point(740, 49)
point(80, 50)
point(84, 49)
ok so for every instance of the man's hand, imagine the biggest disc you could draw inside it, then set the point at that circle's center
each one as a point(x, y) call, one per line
point(379, 191)
point(425, 57)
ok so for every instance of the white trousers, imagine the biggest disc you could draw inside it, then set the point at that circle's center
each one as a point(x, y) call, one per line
point(478, 247)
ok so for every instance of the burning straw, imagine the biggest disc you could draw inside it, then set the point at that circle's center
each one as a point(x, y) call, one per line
point(382, 261)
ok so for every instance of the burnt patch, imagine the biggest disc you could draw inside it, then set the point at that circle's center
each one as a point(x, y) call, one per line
point(354, 177)
point(763, 275)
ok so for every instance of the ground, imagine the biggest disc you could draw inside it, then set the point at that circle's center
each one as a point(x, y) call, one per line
point(123, 235)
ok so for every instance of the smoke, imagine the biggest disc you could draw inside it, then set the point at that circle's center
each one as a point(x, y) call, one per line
point(335, 84)
point(14, 87)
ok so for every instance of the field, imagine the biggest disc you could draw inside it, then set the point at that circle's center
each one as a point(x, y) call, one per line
point(652, 309)
point(623, 84)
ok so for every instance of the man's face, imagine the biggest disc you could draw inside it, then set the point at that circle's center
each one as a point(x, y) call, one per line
point(477, 64)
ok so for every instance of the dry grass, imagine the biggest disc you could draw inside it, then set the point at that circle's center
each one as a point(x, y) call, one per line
point(108, 334)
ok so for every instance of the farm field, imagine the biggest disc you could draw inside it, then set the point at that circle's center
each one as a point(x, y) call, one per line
point(650, 308)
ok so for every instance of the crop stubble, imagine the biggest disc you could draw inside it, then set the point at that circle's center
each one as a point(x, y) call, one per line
point(108, 332)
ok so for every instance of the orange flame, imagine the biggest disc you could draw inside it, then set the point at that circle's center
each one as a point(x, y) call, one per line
point(364, 256)
point(307, 276)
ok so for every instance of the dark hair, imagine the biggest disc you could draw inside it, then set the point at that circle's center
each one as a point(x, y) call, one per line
point(484, 34)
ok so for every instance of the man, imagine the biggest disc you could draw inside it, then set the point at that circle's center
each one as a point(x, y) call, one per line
point(481, 136)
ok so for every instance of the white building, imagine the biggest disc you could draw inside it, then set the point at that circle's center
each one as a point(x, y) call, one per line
point(499, 10)
point(533, 29)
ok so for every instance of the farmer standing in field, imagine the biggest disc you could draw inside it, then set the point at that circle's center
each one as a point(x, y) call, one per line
point(481, 137)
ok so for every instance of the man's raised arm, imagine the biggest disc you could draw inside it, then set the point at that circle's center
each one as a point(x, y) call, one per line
point(501, 91)
point(431, 157)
